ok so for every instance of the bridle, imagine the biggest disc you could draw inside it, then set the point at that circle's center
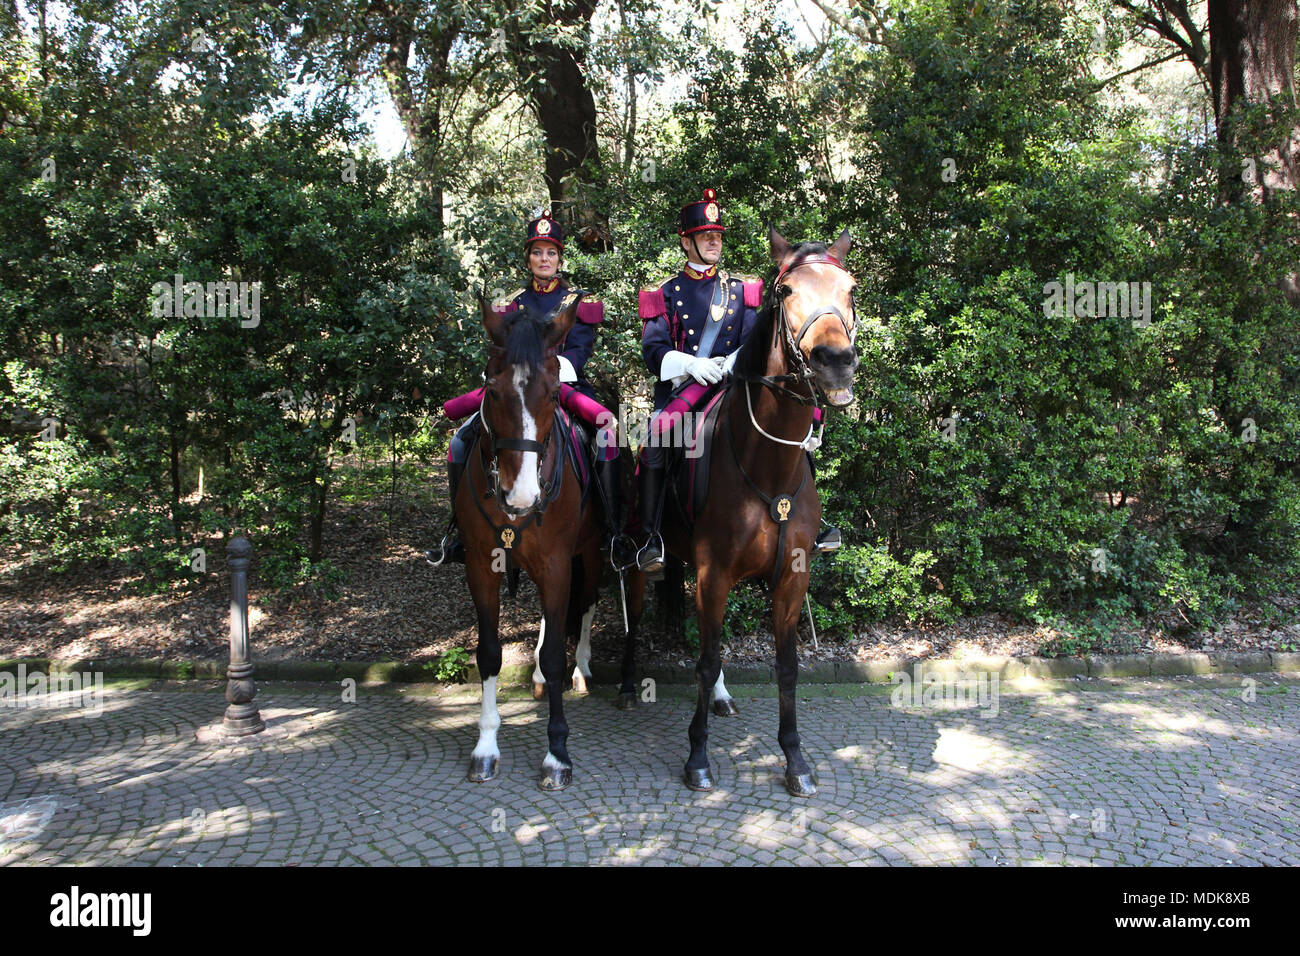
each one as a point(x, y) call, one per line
point(794, 357)
point(491, 473)
point(791, 340)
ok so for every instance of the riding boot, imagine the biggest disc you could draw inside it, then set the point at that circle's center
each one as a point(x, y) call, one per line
point(650, 491)
point(450, 550)
point(828, 540)
point(609, 477)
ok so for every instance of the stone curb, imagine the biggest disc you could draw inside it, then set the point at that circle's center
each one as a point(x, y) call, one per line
point(840, 672)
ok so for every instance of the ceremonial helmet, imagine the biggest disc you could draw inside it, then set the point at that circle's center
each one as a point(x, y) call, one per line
point(702, 216)
point(544, 229)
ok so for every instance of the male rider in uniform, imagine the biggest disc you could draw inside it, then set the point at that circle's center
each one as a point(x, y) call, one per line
point(695, 322)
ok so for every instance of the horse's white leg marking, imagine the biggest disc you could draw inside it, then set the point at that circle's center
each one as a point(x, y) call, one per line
point(525, 492)
point(553, 762)
point(720, 689)
point(488, 722)
point(583, 666)
point(537, 653)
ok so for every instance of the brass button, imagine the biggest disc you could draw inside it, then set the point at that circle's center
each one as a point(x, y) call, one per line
point(733, 295)
point(728, 328)
point(677, 288)
point(695, 348)
point(679, 301)
point(684, 315)
point(690, 332)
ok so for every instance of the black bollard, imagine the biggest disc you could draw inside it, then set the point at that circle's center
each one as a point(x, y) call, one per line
point(242, 717)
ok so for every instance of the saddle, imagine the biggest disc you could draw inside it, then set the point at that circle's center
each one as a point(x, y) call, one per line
point(576, 443)
point(688, 467)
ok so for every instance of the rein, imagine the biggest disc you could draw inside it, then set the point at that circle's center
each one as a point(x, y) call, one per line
point(781, 507)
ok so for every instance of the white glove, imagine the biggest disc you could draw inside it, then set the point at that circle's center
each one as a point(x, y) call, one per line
point(567, 372)
point(677, 365)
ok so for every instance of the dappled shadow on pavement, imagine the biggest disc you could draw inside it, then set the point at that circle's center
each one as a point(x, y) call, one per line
point(1139, 774)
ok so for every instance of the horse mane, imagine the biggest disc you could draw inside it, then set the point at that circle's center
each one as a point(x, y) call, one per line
point(752, 360)
point(525, 335)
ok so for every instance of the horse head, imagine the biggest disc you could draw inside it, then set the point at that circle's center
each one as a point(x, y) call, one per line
point(519, 398)
point(814, 294)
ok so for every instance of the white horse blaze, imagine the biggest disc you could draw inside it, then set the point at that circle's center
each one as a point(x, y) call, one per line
point(488, 722)
point(525, 492)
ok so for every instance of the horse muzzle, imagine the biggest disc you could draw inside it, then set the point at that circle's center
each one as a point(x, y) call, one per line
point(833, 370)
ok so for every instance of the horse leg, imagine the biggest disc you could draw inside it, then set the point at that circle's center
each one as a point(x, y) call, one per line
point(710, 604)
point(539, 682)
point(635, 581)
point(485, 588)
point(582, 663)
point(786, 604)
point(557, 770)
point(584, 595)
point(723, 705)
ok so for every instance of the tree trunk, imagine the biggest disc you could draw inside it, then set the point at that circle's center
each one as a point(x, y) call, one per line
point(422, 121)
point(1252, 63)
point(556, 87)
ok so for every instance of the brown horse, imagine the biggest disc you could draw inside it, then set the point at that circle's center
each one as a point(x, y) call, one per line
point(761, 515)
point(521, 503)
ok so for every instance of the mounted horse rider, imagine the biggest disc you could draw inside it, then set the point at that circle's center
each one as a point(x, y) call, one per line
point(545, 293)
point(694, 323)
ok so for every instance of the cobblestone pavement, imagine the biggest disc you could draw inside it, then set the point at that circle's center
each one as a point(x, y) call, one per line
point(1134, 772)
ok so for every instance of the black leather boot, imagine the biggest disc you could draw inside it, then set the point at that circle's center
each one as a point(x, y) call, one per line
point(829, 539)
point(609, 478)
point(650, 490)
point(450, 551)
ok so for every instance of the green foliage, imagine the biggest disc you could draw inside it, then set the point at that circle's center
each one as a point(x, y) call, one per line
point(1072, 469)
point(450, 666)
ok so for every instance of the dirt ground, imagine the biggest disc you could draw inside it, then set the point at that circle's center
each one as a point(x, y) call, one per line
point(394, 607)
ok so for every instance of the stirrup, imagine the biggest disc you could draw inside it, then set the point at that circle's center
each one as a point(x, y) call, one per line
point(656, 567)
point(829, 540)
point(622, 551)
point(445, 553)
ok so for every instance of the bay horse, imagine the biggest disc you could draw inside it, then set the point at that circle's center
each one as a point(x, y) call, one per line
point(762, 510)
point(516, 509)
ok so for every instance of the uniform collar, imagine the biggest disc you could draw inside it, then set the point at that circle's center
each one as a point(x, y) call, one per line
point(692, 273)
point(544, 287)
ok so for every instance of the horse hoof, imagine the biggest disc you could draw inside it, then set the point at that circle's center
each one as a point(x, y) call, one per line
point(539, 690)
point(801, 784)
point(725, 707)
point(555, 778)
point(627, 701)
point(483, 769)
point(700, 780)
point(581, 685)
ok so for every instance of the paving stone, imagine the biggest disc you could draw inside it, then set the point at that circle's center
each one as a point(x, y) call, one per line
point(1183, 772)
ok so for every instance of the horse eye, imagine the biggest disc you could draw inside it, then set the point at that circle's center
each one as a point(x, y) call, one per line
point(784, 291)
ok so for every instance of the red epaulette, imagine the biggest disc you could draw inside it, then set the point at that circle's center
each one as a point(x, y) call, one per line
point(651, 303)
point(591, 313)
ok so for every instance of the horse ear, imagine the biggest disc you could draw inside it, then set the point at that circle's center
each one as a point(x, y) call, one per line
point(493, 320)
point(562, 320)
point(779, 248)
point(842, 246)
